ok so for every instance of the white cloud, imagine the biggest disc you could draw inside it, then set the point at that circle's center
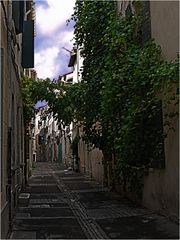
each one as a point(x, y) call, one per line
point(50, 19)
point(45, 62)
point(50, 58)
point(65, 37)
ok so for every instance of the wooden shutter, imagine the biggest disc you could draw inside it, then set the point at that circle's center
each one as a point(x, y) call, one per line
point(146, 25)
point(18, 12)
point(28, 44)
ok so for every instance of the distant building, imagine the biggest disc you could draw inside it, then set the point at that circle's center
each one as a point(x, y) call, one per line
point(48, 146)
point(85, 159)
point(66, 131)
point(30, 131)
point(76, 64)
point(161, 184)
point(66, 78)
point(30, 73)
point(40, 134)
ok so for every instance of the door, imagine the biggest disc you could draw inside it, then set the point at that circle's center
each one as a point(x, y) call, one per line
point(60, 153)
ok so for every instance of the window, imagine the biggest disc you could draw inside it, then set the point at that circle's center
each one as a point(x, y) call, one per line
point(146, 25)
point(128, 11)
point(18, 15)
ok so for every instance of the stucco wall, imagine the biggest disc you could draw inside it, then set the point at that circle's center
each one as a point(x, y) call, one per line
point(91, 161)
point(161, 187)
point(4, 221)
point(96, 165)
point(4, 105)
point(11, 117)
point(66, 151)
point(165, 26)
point(83, 156)
point(4, 131)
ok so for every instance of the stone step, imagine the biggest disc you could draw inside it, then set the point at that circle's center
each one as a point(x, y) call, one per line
point(44, 211)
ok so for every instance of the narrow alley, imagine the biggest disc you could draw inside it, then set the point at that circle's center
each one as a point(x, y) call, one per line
point(64, 204)
point(89, 119)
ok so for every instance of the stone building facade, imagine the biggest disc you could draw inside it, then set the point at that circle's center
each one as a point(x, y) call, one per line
point(13, 46)
point(86, 159)
point(161, 185)
point(47, 141)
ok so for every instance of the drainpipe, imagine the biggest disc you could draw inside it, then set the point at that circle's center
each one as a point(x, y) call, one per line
point(26, 136)
point(77, 55)
point(25, 154)
point(10, 120)
point(9, 145)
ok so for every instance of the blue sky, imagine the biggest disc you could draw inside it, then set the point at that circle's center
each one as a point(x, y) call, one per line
point(52, 34)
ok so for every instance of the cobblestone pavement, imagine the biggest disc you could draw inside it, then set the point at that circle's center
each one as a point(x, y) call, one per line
point(68, 205)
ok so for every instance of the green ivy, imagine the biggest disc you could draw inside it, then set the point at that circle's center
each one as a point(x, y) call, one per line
point(118, 101)
point(123, 80)
point(28, 102)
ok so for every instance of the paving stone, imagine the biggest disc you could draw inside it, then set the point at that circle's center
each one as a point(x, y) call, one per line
point(111, 212)
point(79, 185)
point(47, 196)
point(22, 215)
point(89, 190)
point(72, 178)
point(134, 227)
point(35, 224)
point(43, 201)
point(23, 235)
point(68, 205)
point(43, 189)
point(39, 206)
point(47, 211)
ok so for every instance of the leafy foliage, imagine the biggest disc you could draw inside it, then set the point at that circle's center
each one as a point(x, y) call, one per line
point(28, 102)
point(123, 81)
point(119, 99)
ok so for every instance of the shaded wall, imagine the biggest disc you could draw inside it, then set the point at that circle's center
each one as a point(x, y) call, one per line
point(91, 161)
point(161, 187)
point(12, 125)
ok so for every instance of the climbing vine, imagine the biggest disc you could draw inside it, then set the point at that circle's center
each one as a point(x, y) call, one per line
point(119, 101)
point(28, 102)
point(123, 80)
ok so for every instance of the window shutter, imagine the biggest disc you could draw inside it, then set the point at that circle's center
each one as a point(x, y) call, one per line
point(18, 11)
point(146, 24)
point(28, 44)
point(159, 162)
